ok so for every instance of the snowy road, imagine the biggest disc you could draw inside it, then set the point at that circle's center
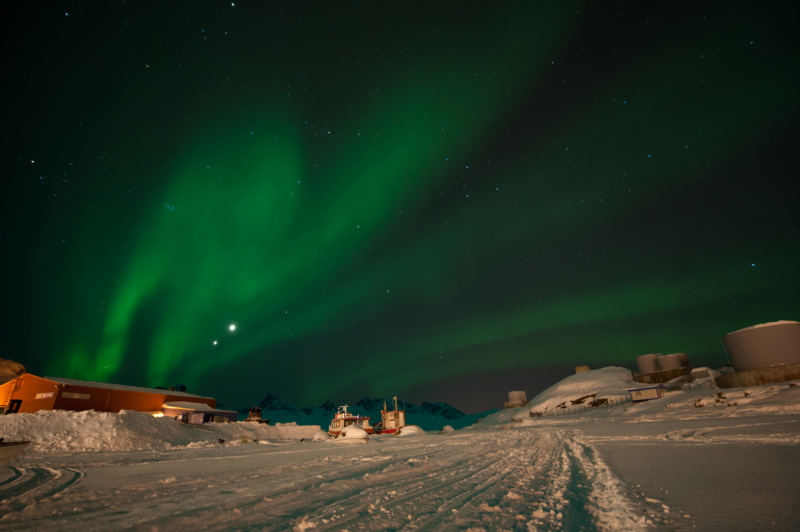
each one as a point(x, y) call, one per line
point(529, 479)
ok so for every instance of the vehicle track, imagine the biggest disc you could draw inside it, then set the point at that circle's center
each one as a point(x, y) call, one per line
point(528, 479)
point(32, 485)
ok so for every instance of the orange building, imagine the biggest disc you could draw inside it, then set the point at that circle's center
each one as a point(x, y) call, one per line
point(29, 393)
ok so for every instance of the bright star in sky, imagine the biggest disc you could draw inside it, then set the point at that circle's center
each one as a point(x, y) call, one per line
point(232, 327)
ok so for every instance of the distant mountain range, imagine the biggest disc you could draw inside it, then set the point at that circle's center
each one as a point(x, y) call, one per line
point(429, 416)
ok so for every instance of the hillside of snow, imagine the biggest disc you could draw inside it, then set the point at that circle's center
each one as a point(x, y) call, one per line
point(428, 416)
point(571, 399)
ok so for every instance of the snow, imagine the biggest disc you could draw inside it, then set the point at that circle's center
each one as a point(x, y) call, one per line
point(608, 383)
point(686, 461)
point(54, 431)
point(447, 429)
point(698, 399)
point(411, 430)
point(321, 436)
point(770, 324)
point(352, 433)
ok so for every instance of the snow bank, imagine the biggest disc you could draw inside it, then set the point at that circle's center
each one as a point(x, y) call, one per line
point(411, 430)
point(62, 431)
point(698, 399)
point(447, 429)
point(610, 383)
point(321, 436)
point(352, 434)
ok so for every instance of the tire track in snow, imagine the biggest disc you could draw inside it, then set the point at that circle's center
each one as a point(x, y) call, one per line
point(523, 479)
point(33, 485)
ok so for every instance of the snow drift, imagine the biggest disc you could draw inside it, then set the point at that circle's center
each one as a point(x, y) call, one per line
point(61, 431)
point(411, 430)
point(352, 434)
point(610, 383)
point(321, 436)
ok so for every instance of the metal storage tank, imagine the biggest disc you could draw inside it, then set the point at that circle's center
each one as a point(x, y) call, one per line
point(517, 396)
point(669, 362)
point(647, 363)
point(764, 345)
point(684, 359)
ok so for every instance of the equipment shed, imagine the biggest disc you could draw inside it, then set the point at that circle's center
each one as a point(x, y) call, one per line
point(639, 395)
point(198, 413)
point(29, 393)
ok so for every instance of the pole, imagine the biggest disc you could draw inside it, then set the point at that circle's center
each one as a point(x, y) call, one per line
point(726, 354)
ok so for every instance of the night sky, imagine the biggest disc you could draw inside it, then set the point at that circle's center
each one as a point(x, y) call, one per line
point(439, 203)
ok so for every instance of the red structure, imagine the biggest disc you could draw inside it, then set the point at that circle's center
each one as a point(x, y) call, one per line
point(29, 393)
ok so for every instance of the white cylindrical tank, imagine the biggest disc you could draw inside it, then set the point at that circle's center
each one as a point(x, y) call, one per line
point(517, 396)
point(647, 363)
point(684, 359)
point(764, 345)
point(670, 362)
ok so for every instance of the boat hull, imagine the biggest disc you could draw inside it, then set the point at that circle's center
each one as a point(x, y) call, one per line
point(9, 450)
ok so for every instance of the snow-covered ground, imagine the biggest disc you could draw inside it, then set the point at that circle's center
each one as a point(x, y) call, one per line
point(666, 464)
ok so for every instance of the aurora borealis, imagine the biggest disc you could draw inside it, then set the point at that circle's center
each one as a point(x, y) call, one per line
point(385, 199)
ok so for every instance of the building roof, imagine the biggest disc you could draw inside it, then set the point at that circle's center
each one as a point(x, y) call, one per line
point(199, 407)
point(108, 386)
point(648, 387)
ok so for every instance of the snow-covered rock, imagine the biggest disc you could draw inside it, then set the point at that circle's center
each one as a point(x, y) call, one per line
point(447, 429)
point(572, 393)
point(411, 430)
point(321, 436)
point(352, 433)
point(584, 387)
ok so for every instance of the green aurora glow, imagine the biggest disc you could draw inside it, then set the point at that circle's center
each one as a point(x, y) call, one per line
point(504, 201)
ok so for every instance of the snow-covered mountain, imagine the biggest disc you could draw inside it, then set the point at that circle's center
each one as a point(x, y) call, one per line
point(429, 416)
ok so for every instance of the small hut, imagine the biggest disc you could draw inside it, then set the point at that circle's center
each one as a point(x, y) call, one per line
point(639, 395)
